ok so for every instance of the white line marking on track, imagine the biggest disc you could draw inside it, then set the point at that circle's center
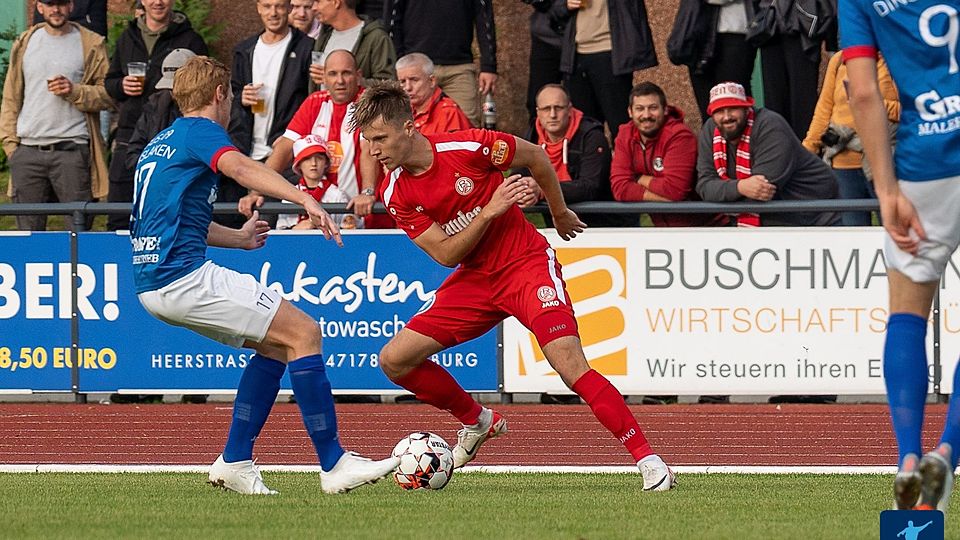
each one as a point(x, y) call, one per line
point(607, 469)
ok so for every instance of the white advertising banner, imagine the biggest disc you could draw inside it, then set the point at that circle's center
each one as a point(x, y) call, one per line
point(728, 311)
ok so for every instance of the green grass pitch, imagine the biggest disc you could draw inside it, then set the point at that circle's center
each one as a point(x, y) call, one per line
point(473, 505)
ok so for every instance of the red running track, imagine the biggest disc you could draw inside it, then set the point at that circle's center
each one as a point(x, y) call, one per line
point(743, 435)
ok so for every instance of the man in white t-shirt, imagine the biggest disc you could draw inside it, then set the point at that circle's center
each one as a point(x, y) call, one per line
point(269, 82)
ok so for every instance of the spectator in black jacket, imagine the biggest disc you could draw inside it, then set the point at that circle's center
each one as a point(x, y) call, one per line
point(89, 13)
point(605, 42)
point(547, 23)
point(578, 151)
point(147, 39)
point(274, 66)
point(443, 30)
point(160, 110)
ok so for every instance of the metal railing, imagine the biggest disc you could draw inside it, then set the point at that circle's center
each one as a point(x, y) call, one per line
point(79, 210)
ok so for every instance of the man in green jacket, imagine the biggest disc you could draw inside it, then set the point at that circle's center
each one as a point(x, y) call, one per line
point(49, 117)
point(366, 38)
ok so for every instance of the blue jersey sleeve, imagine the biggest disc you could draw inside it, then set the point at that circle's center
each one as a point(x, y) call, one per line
point(209, 141)
point(856, 32)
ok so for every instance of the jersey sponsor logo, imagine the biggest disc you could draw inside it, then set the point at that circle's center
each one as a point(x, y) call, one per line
point(335, 151)
point(658, 164)
point(499, 152)
point(459, 223)
point(546, 294)
point(464, 185)
point(937, 113)
point(145, 243)
point(886, 7)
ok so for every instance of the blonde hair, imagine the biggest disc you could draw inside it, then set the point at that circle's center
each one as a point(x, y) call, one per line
point(385, 100)
point(195, 83)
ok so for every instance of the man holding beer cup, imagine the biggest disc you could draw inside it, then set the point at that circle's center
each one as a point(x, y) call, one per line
point(134, 71)
point(49, 117)
point(269, 82)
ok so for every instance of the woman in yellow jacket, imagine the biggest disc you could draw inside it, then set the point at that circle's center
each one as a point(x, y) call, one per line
point(832, 134)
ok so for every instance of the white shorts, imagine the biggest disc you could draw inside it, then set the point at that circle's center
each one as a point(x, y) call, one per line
point(216, 302)
point(938, 204)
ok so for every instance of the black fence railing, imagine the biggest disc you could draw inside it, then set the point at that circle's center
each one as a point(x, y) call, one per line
point(83, 209)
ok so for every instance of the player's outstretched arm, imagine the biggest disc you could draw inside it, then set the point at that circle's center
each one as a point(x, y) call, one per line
point(279, 160)
point(533, 157)
point(262, 179)
point(870, 115)
point(450, 250)
point(252, 235)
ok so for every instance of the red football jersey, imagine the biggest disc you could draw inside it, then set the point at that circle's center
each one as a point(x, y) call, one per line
point(467, 169)
point(319, 115)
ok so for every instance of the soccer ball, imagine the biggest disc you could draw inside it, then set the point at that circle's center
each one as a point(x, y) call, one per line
point(426, 461)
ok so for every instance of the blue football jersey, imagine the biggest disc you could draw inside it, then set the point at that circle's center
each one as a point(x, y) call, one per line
point(175, 186)
point(918, 39)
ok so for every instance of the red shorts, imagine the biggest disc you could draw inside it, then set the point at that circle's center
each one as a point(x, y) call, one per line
point(471, 302)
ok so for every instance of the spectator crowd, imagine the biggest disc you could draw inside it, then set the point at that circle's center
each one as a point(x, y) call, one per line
point(301, 74)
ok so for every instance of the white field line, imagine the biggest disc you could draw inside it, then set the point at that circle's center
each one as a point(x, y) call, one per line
point(689, 469)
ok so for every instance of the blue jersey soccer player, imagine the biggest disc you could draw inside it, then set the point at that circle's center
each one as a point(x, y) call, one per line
point(170, 228)
point(919, 201)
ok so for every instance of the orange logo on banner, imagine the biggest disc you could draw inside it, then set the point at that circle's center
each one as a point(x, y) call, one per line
point(596, 284)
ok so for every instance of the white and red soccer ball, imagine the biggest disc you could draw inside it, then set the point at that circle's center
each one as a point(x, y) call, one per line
point(426, 461)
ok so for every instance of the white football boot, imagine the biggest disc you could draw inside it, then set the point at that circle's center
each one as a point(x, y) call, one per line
point(937, 479)
point(242, 477)
point(490, 424)
point(353, 470)
point(906, 485)
point(656, 475)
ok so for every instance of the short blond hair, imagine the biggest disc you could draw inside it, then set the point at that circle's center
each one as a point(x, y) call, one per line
point(385, 100)
point(195, 83)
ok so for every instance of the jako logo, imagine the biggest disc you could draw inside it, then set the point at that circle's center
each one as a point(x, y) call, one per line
point(627, 435)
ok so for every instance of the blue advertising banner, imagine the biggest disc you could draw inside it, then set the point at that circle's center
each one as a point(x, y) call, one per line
point(35, 282)
point(361, 295)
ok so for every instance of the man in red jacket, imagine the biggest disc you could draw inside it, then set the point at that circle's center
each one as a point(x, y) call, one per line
point(656, 158)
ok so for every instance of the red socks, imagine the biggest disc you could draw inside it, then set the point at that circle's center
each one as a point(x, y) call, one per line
point(434, 385)
point(608, 406)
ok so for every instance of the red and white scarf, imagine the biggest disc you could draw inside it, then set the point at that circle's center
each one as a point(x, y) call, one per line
point(742, 164)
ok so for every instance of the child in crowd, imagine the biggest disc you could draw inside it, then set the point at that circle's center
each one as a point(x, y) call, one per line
point(311, 161)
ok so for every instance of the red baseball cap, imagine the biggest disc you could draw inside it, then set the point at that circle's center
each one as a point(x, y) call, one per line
point(305, 147)
point(728, 94)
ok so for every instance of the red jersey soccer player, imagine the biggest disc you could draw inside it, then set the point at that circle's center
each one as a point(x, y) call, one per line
point(448, 193)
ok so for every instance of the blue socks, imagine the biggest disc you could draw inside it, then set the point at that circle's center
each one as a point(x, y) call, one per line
point(905, 374)
point(256, 394)
point(951, 429)
point(312, 389)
